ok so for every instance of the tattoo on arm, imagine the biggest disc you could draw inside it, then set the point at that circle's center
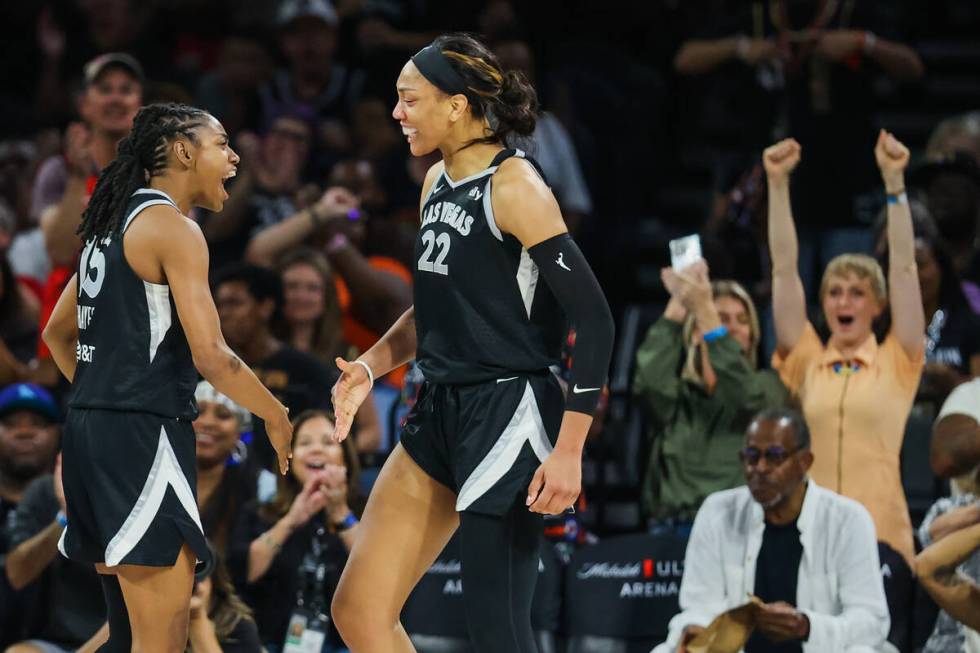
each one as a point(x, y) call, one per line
point(234, 363)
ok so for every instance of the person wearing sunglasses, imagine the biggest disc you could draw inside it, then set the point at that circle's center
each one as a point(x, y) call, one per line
point(808, 554)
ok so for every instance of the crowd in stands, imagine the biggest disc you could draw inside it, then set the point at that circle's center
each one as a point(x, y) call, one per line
point(790, 438)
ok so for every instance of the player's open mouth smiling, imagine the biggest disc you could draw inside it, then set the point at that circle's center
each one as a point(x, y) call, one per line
point(224, 180)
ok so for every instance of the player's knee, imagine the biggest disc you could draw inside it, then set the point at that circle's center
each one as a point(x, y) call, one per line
point(357, 620)
point(344, 613)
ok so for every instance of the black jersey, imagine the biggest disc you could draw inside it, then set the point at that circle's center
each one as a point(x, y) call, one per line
point(481, 311)
point(132, 352)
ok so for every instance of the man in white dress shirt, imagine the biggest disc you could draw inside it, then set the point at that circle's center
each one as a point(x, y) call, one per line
point(809, 554)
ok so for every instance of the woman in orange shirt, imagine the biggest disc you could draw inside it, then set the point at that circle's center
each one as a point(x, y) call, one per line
point(856, 393)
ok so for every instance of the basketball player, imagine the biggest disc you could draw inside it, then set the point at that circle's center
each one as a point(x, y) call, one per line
point(128, 331)
point(491, 445)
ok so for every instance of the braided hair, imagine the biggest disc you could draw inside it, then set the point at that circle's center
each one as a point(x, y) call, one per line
point(141, 156)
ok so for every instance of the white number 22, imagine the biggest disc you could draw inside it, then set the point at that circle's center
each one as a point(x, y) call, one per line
point(430, 241)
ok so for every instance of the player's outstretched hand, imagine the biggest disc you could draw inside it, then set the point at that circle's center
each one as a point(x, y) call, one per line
point(280, 432)
point(348, 393)
point(557, 483)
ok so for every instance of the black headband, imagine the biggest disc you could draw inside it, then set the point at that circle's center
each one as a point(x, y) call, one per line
point(435, 67)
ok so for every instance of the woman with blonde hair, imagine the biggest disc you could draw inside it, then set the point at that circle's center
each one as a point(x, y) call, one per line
point(856, 393)
point(696, 372)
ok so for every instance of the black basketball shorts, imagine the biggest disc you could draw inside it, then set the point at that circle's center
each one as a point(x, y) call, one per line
point(131, 489)
point(485, 441)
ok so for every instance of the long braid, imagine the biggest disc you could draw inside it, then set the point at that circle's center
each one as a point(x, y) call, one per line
point(141, 155)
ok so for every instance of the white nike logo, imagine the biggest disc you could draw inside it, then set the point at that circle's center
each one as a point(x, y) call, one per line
point(510, 378)
point(561, 261)
point(577, 390)
point(437, 189)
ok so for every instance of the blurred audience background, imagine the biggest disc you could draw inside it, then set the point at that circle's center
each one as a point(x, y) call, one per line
point(654, 118)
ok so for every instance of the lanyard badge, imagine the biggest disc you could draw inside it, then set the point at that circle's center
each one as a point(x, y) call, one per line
point(309, 622)
point(307, 632)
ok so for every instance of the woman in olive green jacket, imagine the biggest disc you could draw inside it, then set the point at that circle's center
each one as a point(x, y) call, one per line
point(696, 373)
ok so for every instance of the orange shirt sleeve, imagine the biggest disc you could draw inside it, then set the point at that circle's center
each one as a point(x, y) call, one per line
point(388, 264)
point(907, 369)
point(356, 333)
point(792, 367)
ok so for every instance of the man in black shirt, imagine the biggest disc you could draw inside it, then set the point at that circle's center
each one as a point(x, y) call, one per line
point(780, 490)
point(808, 555)
point(249, 302)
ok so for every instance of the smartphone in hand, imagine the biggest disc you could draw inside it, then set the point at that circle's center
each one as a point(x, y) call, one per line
point(684, 251)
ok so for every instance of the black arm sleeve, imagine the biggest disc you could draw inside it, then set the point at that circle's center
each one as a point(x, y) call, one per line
point(575, 287)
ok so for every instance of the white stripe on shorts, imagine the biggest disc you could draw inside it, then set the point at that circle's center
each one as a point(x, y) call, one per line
point(164, 472)
point(525, 426)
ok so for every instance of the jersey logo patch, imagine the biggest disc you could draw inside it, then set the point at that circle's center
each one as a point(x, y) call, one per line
point(437, 189)
point(475, 193)
point(561, 261)
point(577, 390)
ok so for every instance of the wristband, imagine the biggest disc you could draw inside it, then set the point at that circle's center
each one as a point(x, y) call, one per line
point(62, 519)
point(897, 198)
point(348, 522)
point(367, 368)
point(715, 334)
